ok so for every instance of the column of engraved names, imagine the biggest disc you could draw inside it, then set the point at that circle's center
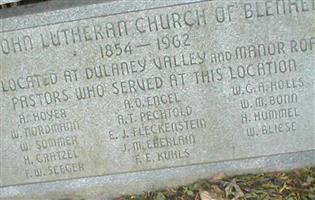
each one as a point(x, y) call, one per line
point(141, 132)
point(156, 125)
point(45, 133)
point(271, 105)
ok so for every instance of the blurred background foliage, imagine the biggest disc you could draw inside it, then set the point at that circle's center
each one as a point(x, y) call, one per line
point(23, 2)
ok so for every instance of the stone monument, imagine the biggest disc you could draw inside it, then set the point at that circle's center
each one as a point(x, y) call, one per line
point(104, 98)
point(8, 1)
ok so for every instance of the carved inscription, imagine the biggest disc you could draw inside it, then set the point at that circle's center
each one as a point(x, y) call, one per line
point(154, 89)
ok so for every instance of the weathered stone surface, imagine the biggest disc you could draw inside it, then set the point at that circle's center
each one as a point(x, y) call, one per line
point(119, 97)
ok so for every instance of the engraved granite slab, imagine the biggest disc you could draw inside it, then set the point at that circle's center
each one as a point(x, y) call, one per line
point(119, 97)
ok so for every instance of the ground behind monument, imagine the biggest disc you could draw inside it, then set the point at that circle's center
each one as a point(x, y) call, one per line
point(296, 184)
